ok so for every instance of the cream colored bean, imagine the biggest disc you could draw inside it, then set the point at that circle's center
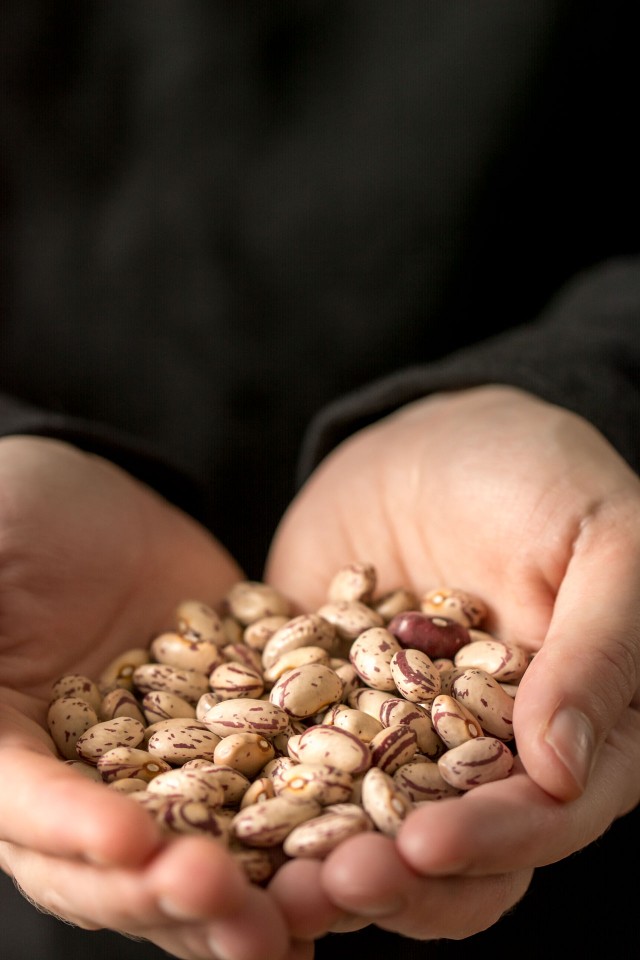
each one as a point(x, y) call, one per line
point(415, 676)
point(360, 724)
point(267, 824)
point(261, 789)
point(348, 674)
point(484, 697)
point(188, 684)
point(317, 837)
point(251, 600)
point(455, 604)
point(68, 718)
point(350, 618)
point(256, 634)
point(79, 687)
point(161, 705)
point(307, 690)
point(369, 700)
point(130, 762)
point(246, 752)
point(232, 680)
point(453, 722)
point(87, 770)
point(232, 629)
point(395, 602)
point(480, 760)
point(186, 653)
point(330, 744)
point(422, 781)
point(204, 704)
point(119, 672)
point(120, 702)
point(128, 785)
point(189, 784)
point(104, 736)
point(371, 654)
point(199, 621)
point(315, 781)
point(384, 801)
point(292, 659)
point(177, 741)
point(354, 581)
point(305, 630)
point(393, 746)
point(505, 662)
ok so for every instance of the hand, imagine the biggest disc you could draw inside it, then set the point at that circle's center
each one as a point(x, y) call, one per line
point(92, 563)
point(528, 507)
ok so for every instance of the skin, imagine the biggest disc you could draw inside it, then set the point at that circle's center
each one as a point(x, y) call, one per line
point(439, 493)
point(528, 507)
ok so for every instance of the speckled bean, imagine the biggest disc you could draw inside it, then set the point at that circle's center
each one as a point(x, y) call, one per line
point(305, 691)
point(68, 718)
point(322, 782)
point(186, 653)
point(455, 604)
point(120, 702)
point(199, 621)
point(78, 686)
point(393, 746)
point(354, 581)
point(177, 741)
point(421, 780)
point(188, 684)
point(484, 697)
point(330, 744)
point(251, 600)
point(247, 752)
point(162, 705)
point(415, 676)
point(127, 762)
point(371, 654)
point(505, 662)
point(119, 672)
point(384, 801)
point(453, 722)
point(104, 736)
point(266, 824)
point(480, 760)
point(246, 715)
point(305, 630)
point(233, 680)
point(317, 837)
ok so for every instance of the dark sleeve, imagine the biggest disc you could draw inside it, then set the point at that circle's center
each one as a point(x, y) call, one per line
point(141, 461)
point(582, 353)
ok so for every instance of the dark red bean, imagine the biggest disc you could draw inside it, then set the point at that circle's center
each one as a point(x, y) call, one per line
point(434, 635)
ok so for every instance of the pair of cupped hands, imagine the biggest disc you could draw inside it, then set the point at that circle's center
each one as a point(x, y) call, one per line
point(517, 501)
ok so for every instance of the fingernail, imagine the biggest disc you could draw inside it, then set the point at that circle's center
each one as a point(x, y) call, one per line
point(570, 736)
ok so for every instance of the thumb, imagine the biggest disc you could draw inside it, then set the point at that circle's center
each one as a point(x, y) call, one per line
point(586, 675)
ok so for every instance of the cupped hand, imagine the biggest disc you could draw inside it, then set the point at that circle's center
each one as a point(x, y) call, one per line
point(527, 506)
point(93, 563)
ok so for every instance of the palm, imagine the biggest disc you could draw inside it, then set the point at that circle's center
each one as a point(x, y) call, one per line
point(91, 563)
point(479, 493)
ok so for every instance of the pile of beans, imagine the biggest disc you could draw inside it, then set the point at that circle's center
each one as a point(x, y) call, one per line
point(282, 734)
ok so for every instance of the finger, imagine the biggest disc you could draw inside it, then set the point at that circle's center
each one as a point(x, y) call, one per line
point(298, 891)
point(191, 880)
point(368, 877)
point(512, 823)
point(47, 806)
point(588, 670)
